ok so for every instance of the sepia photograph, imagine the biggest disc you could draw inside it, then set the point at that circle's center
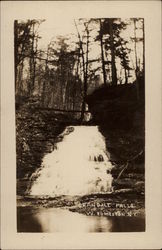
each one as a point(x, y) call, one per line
point(80, 125)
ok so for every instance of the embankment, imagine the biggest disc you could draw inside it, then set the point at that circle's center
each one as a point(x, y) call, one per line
point(120, 114)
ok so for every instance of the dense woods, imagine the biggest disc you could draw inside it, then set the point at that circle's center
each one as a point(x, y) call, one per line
point(100, 52)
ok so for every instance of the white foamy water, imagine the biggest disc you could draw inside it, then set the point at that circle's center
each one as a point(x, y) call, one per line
point(78, 166)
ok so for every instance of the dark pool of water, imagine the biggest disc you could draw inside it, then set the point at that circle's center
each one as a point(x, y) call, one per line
point(61, 220)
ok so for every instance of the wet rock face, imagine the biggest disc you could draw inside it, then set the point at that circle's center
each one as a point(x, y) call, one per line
point(117, 106)
point(127, 154)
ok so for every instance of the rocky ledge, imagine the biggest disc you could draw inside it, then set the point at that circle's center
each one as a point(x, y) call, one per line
point(120, 114)
point(120, 203)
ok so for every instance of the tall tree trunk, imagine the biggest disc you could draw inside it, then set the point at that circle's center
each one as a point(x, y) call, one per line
point(44, 81)
point(136, 64)
point(126, 76)
point(85, 69)
point(143, 49)
point(15, 53)
point(113, 66)
point(31, 68)
point(31, 73)
point(34, 62)
point(102, 53)
point(124, 65)
point(20, 78)
point(76, 79)
point(62, 82)
point(84, 85)
point(85, 77)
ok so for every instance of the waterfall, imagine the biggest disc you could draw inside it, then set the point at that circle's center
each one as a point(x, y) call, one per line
point(80, 165)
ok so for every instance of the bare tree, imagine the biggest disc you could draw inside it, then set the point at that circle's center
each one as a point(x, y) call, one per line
point(84, 56)
point(102, 53)
point(136, 60)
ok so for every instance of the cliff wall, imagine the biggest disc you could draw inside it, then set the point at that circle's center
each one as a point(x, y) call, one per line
point(120, 113)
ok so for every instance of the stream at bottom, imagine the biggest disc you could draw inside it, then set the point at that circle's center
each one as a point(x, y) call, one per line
point(50, 220)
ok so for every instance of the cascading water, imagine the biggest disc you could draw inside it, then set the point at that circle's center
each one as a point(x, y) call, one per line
point(78, 166)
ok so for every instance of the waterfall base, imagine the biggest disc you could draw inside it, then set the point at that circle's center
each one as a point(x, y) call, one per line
point(80, 165)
